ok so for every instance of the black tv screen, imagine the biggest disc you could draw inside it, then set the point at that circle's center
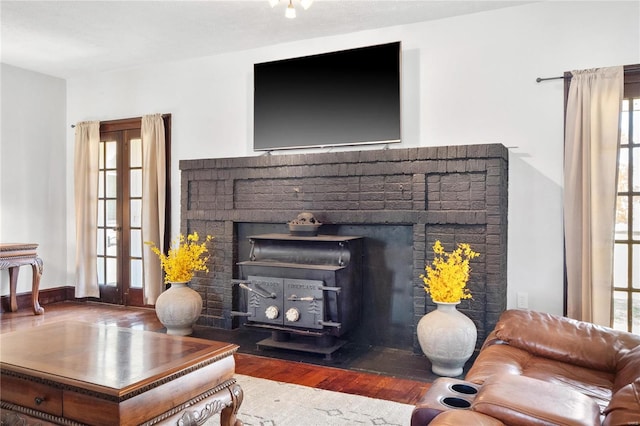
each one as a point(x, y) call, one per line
point(340, 98)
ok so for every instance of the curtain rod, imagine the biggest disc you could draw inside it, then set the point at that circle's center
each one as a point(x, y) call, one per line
point(73, 126)
point(538, 80)
point(626, 69)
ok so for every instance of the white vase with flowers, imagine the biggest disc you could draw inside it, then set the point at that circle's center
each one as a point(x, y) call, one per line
point(446, 336)
point(179, 307)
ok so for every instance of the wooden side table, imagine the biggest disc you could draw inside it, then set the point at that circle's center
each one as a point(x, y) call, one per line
point(12, 257)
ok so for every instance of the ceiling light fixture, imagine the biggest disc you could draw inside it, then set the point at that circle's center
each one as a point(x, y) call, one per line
point(290, 11)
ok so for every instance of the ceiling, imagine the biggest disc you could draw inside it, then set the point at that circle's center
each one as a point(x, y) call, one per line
point(67, 38)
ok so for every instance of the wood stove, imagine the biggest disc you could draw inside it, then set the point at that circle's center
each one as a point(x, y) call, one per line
point(306, 289)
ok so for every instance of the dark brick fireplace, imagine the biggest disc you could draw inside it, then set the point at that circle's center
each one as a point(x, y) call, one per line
point(400, 200)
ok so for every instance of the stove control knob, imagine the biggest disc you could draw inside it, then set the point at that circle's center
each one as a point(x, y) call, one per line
point(272, 312)
point(293, 315)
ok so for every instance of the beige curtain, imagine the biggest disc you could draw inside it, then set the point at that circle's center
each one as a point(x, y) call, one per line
point(87, 147)
point(591, 148)
point(153, 202)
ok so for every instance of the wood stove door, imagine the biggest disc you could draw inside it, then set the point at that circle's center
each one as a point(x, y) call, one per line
point(265, 299)
point(303, 303)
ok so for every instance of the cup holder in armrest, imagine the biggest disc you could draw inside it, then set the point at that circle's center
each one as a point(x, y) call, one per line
point(465, 389)
point(445, 394)
point(454, 402)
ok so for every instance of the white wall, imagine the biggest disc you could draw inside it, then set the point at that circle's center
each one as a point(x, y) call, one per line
point(33, 188)
point(466, 80)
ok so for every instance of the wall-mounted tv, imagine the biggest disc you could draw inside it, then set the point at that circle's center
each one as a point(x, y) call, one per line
point(339, 98)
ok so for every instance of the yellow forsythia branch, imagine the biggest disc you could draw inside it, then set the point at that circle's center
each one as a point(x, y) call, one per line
point(184, 258)
point(446, 278)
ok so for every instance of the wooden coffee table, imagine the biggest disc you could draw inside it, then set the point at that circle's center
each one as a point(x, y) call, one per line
point(76, 373)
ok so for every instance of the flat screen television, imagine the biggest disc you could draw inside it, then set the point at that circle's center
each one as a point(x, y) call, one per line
point(340, 98)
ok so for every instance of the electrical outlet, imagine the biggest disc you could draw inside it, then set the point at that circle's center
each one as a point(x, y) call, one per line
point(523, 300)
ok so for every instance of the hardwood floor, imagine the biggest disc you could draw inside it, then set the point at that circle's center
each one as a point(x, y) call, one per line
point(328, 378)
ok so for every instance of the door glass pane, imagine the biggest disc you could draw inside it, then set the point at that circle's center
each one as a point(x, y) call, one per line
point(635, 280)
point(623, 170)
point(636, 169)
point(100, 212)
point(112, 184)
point(624, 123)
point(101, 271)
point(620, 310)
point(635, 326)
point(111, 213)
point(112, 271)
point(136, 273)
point(135, 153)
point(136, 183)
point(622, 208)
point(112, 242)
point(620, 263)
point(136, 243)
point(110, 154)
point(635, 226)
point(101, 156)
point(636, 121)
point(100, 241)
point(101, 184)
point(136, 213)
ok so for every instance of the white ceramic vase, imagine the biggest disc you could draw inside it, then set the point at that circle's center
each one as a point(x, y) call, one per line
point(447, 337)
point(178, 308)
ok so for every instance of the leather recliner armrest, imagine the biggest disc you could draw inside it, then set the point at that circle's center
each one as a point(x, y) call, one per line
point(464, 417)
point(624, 407)
point(521, 400)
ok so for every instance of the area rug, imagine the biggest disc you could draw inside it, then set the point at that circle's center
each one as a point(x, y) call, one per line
point(271, 403)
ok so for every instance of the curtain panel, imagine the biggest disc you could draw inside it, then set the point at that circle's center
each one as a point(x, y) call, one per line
point(153, 202)
point(87, 145)
point(590, 171)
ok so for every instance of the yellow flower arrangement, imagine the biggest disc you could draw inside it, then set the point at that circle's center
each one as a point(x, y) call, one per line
point(447, 277)
point(185, 257)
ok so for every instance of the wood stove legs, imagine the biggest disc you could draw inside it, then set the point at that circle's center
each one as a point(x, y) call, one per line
point(321, 344)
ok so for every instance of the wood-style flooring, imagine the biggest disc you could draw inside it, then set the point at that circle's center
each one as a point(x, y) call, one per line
point(322, 377)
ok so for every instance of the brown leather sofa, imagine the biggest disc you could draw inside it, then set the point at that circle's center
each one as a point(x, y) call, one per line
point(536, 368)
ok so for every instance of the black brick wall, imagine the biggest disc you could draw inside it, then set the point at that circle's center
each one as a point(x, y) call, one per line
point(454, 194)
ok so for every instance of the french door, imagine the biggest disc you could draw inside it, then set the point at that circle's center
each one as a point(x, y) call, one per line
point(119, 217)
point(626, 253)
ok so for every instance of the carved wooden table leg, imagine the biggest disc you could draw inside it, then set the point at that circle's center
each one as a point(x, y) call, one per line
point(228, 415)
point(13, 282)
point(37, 267)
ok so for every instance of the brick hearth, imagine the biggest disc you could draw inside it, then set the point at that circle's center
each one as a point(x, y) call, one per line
point(455, 194)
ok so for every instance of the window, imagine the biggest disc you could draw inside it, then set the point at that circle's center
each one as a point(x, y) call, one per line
point(626, 256)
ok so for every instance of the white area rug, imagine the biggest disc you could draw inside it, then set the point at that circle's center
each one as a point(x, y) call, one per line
point(271, 403)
